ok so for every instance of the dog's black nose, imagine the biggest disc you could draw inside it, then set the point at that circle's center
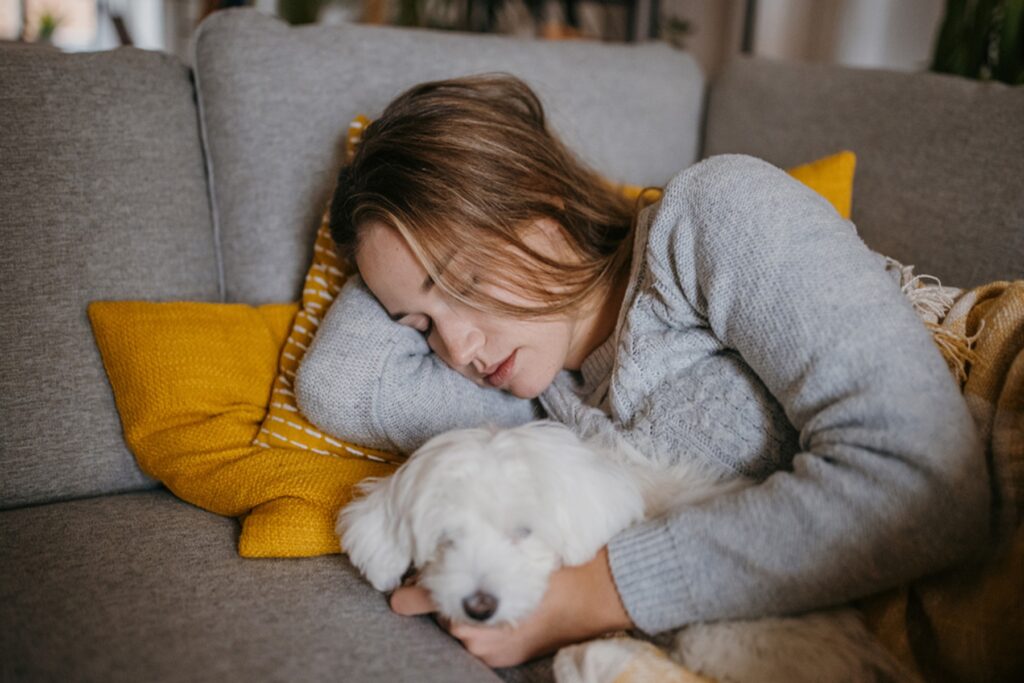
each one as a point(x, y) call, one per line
point(480, 605)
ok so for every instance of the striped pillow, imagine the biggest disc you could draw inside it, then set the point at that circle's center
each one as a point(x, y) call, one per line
point(284, 426)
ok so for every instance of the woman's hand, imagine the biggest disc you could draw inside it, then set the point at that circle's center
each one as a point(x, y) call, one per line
point(581, 603)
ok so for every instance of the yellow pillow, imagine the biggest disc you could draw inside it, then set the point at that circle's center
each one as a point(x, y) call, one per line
point(191, 382)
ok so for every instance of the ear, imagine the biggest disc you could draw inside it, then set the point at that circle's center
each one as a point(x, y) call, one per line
point(376, 539)
point(593, 499)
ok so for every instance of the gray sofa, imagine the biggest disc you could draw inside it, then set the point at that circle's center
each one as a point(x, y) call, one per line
point(129, 175)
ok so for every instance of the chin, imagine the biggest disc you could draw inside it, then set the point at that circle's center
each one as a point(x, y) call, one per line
point(529, 387)
point(519, 392)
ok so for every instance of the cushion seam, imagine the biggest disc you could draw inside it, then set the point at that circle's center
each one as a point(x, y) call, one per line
point(211, 193)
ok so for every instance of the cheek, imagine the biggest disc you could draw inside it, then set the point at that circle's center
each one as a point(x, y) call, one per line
point(539, 363)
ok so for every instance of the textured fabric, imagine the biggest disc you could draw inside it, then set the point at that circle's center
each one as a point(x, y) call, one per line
point(275, 101)
point(939, 157)
point(967, 624)
point(191, 381)
point(620, 660)
point(758, 337)
point(144, 587)
point(794, 361)
point(103, 196)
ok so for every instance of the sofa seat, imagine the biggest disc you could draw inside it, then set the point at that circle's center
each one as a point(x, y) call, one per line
point(142, 586)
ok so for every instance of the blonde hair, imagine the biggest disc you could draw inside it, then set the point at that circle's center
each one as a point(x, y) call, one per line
point(460, 167)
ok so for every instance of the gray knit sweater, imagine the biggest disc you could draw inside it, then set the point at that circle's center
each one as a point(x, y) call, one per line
point(758, 337)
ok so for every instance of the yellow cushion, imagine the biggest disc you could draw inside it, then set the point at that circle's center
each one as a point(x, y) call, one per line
point(191, 382)
point(832, 178)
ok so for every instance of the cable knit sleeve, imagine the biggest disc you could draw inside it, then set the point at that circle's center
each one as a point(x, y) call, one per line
point(370, 380)
point(889, 481)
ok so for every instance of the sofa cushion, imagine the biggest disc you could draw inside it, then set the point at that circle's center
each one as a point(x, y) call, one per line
point(144, 587)
point(939, 158)
point(103, 196)
point(276, 101)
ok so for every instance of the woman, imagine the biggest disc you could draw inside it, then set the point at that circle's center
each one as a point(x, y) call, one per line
point(738, 323)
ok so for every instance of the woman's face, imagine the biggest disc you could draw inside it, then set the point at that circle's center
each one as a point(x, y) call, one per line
point(515, 355)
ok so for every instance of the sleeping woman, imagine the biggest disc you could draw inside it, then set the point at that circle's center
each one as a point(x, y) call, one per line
point(738, 322)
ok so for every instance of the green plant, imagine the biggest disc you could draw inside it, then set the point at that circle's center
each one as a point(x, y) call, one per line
point(299, 11)
point(982, 39)
point(408, 13)
point(675, 31)
point(428, 15)
point(48, 23)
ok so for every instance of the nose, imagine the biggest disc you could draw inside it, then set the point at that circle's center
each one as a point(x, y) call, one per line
point(461, 339)
point(480, 605)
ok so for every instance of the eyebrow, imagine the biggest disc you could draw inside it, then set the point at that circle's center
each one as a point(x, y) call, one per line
point(424, 288)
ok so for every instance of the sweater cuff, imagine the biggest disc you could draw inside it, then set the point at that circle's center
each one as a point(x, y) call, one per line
point(644, 562)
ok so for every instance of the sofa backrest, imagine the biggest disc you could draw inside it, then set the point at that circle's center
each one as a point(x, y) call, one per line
point(103, 197)
point(276, 102)
point(940, 159)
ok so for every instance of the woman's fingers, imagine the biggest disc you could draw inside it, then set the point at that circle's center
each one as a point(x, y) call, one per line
point(411, 600)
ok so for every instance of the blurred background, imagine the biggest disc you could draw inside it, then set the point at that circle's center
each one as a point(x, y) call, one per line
point(976, 38)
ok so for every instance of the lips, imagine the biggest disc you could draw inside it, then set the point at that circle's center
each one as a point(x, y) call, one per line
point(502, 372)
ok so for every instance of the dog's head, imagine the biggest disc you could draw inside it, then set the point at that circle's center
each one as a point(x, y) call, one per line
point(486, 515)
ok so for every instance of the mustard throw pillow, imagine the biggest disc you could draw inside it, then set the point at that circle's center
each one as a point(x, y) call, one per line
point(191, 381)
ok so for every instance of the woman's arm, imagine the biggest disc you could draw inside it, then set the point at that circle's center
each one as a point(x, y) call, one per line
point(889, 482)
point(367, 379)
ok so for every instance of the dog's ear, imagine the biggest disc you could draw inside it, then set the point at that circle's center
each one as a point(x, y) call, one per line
point(374, 535)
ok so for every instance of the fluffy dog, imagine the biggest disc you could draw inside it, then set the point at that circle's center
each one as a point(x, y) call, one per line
point(486, 515)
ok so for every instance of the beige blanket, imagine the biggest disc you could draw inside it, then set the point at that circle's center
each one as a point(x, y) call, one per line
point(966, 624)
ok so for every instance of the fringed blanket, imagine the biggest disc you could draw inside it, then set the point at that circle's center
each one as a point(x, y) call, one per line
point(966, 624)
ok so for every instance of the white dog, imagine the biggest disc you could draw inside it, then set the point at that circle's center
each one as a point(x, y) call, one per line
point(486, 515)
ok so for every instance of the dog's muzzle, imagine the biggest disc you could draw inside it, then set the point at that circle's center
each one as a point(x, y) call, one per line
point(480, 605)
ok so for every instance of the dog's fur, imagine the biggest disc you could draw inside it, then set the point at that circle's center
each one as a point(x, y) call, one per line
point(495, 512)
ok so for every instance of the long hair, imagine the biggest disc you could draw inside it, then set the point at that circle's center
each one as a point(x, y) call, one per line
point(460, 168)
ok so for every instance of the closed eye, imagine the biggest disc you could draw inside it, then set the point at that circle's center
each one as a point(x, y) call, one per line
point(419, 322)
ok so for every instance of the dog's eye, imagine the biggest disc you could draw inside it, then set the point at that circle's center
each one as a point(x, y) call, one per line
point(521, 532)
